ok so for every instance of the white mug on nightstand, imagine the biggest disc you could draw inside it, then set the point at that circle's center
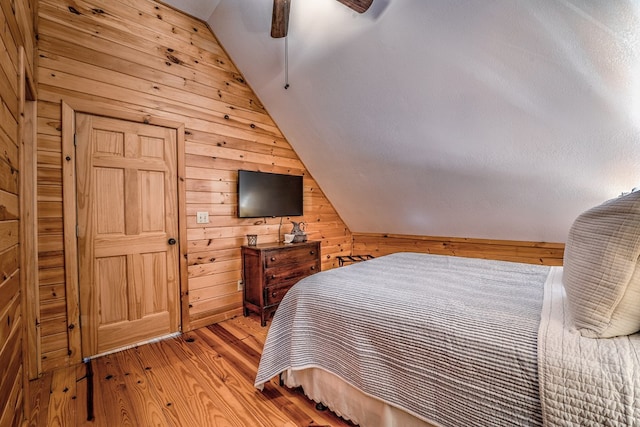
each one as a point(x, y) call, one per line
point(288, 238)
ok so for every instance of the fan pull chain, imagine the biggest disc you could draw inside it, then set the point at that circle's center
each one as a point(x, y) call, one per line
point(286, 62)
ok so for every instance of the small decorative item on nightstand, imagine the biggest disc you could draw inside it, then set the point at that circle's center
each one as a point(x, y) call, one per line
point(298, 232)
point(252, 239)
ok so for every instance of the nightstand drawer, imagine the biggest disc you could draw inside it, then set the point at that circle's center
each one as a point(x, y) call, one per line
point(290, 255)
point(277, 275)
point(273, 295)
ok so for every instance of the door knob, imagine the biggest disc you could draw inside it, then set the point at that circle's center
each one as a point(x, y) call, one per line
point(171, 241)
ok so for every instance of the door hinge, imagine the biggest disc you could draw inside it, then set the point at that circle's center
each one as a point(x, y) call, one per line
point(75, 140)
point(77, 231)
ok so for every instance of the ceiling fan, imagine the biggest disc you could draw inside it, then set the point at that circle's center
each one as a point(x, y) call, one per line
point(280, 17)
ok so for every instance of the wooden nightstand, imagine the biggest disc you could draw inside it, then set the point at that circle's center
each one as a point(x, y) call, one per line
point(270, 270)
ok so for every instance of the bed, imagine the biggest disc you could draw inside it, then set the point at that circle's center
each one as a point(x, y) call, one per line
point(426, 340)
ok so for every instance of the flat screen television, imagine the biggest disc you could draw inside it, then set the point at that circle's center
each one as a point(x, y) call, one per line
point(262, 194)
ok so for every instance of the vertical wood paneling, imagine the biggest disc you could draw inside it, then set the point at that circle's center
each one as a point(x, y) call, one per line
point(17, 40)
point(71, 342)
point(28, 219)
point(146, 62)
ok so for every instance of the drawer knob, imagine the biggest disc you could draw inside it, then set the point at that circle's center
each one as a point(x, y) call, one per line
point(312, 252)
point(273, 276)
point(313, 267)
point(273, 294)
point(273, 258)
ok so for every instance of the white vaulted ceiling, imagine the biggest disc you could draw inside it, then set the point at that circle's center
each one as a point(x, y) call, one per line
point(495, 119)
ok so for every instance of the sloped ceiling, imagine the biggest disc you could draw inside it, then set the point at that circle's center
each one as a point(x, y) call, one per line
point(493, 119)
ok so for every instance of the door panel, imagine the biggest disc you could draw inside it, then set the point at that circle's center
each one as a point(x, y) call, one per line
point(111, 283)
point(109, 204)
point(127, 212)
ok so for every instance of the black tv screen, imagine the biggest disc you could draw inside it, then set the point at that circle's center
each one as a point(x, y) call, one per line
point(262, 194)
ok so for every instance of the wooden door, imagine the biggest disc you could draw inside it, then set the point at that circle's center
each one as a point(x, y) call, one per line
point(127, 232)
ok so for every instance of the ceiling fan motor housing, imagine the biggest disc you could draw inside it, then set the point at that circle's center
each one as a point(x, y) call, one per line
point(280, 16)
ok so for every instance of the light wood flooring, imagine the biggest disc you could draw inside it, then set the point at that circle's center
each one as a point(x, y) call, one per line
point(201, 378)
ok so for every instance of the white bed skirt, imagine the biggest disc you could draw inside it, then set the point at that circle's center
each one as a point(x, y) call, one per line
point(364, 410)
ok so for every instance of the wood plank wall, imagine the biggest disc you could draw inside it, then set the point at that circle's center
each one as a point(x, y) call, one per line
point(505, 250)
point(16, 30)
point(143, 58)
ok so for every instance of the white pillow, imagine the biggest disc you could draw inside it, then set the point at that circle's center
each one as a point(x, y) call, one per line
point(601, 269)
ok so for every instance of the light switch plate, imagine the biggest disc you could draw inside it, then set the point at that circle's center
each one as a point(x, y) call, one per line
point(202, 217)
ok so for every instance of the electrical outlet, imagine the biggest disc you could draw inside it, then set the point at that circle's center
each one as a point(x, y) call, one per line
point(202, 217)
point(240, 285)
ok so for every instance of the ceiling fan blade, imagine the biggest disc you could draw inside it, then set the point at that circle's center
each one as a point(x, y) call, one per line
point(359, 6)
point(280, 18)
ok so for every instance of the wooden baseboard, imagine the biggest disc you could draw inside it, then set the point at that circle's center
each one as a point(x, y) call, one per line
point(206, 320)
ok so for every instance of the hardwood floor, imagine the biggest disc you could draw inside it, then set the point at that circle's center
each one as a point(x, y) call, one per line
point(201, 378)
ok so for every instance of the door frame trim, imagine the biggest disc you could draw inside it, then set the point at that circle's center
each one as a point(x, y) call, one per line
point(70, 220)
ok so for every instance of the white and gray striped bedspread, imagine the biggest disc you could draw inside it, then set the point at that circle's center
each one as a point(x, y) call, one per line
point(451, 340)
